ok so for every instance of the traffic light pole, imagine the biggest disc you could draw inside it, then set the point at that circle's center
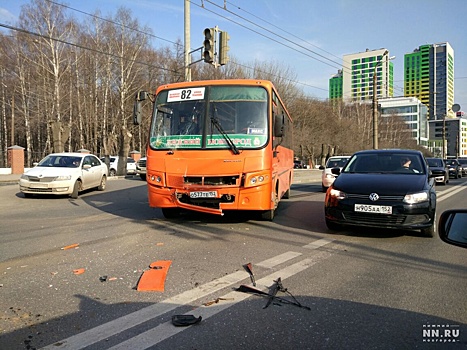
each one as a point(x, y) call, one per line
point(187, 42)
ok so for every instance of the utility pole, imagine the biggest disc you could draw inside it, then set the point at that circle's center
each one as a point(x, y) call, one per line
point(13, 120)
point(375, 103)
point(187, 42)
point(375, 113)
point(444, 136)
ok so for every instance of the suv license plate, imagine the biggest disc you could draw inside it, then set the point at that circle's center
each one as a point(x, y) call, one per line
point(377, 209)
point(203, 194)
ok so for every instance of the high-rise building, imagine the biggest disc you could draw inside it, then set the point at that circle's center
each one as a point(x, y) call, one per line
point(429, 76)
point(335, 85)
point(357, 75)
point(412, 112)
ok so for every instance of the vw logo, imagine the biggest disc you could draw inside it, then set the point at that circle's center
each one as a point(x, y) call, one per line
point(373, 197)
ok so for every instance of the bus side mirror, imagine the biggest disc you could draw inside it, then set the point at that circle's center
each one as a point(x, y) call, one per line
point(140, 96)
point(278, 125)
point(137, 113)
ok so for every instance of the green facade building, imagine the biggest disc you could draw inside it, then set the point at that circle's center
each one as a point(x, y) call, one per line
point(429, 76)
point(335, 86)
point(354, 83)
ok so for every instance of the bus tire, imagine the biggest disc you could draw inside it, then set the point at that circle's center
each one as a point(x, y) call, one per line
point(286, 194)
point(170, 213)
point(267, 215)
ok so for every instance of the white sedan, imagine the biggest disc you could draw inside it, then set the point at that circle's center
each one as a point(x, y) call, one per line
point(327, 177)
point(64, 174)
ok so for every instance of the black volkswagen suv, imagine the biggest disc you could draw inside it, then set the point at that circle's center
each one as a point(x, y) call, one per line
point(383, 188)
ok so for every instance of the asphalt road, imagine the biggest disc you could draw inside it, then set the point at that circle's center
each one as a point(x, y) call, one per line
point(372, 289)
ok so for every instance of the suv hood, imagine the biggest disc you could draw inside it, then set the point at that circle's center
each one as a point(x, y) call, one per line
point(383, 184)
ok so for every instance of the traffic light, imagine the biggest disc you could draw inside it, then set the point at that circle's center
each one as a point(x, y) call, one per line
point(209, 45)
point(223, 48)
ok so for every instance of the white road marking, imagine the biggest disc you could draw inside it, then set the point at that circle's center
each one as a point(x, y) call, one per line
point(166, 330)
point(279, 259)
point(451, 192)
point(109, 329)
point(319, 243)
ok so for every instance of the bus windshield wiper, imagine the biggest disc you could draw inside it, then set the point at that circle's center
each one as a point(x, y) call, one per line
point(219, 127)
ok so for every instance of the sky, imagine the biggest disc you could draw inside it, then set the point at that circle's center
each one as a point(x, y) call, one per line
point(307, 37)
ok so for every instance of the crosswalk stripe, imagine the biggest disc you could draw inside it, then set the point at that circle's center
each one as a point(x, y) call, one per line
point(109, 329)
point(319, 243)
point(166, 330)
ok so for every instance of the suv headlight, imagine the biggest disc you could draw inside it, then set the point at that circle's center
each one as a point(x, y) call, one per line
point(416, 198)
point(337, 194)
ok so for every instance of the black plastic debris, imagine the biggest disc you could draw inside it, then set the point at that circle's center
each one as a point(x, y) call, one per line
point(185, 320)
point(272, 294)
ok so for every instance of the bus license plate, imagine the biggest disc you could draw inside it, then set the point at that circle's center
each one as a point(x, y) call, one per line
point(377, 209)
point(203, 194)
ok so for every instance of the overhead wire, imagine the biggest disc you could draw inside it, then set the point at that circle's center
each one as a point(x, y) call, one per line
point(228, 19)
point(276, 75)
point(82, 47)
point(266, 36)
point(139, 31)
point(287, 32)
point(148, 34)
point(112, 22)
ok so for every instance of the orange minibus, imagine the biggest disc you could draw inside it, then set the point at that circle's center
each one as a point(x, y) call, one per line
point(217, 146)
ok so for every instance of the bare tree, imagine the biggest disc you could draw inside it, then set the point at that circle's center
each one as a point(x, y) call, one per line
point(50, 23)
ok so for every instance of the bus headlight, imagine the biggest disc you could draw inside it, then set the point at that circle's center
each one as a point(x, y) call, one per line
point(155, 178)
point(256, 180)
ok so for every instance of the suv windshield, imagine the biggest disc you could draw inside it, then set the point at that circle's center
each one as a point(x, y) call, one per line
point(213, 117)
point(435, 162)
point(395, 163)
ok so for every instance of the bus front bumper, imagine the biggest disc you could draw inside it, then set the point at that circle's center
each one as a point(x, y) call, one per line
point(252, 198)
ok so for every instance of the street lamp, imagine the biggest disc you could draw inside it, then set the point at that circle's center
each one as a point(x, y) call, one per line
point(375, 101)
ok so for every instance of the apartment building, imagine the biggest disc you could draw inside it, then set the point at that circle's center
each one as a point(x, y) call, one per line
point(429, 76)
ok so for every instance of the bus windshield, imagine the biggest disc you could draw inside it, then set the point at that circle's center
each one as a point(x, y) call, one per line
point(214, 117)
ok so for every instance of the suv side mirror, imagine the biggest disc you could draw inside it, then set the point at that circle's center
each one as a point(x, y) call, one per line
point(452, 227)
point(335, 171)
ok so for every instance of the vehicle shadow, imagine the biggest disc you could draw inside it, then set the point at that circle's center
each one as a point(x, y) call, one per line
point(328, 323)
point(308, 215)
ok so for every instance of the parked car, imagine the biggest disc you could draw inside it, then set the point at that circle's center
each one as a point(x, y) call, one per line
point(452, 227)
point(327, 177)
point(439, 170)
point(64, 174)
point(113, 165)
point(454, 168)
point(391, 189)
point(141, 168)
point(299, 164)
point(463, 163)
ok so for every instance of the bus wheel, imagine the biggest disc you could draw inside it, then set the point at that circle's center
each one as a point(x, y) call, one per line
point(267, 215)
point(170, 213)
